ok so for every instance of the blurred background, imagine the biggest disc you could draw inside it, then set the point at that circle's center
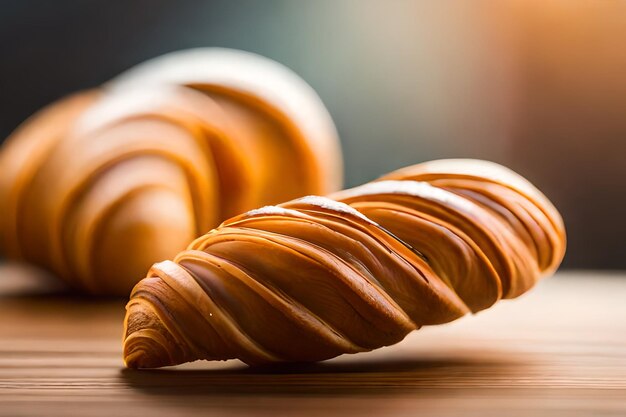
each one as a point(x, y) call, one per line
point(539, 86)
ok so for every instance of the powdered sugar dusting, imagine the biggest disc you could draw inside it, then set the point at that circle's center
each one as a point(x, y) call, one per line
point(328, 204)
point(412, 188)
point(272, 210)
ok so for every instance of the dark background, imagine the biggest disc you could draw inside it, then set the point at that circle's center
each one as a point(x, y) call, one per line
point(539, 86)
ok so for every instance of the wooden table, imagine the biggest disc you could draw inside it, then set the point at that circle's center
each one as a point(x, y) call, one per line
point(559, 350)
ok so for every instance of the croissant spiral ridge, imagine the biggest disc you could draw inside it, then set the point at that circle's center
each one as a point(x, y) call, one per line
point(318, 277)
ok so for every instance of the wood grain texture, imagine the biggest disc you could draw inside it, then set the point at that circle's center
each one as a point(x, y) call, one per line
point(558, 350)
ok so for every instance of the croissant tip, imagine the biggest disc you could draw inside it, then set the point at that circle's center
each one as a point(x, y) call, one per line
point(147, 342)
point(141, 359)
point(134, 359)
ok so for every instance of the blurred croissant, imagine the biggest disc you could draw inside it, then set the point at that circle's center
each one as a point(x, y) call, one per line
point(99, 186)
point(318, 277)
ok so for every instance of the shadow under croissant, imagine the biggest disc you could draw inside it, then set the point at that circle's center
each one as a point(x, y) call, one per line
point(27, 281)
point(352, 377)
point(28, 286)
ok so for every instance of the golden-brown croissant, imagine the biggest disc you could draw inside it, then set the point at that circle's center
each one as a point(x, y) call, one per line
point(318, 277)
point(100, 185)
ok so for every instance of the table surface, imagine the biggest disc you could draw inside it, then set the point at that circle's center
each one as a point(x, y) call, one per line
point(558, 350)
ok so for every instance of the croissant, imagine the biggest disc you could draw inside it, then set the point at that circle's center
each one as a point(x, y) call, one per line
point(100, 185)
point(318, 277)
